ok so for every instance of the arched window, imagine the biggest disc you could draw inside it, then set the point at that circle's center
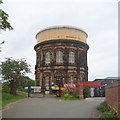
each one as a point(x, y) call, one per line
point(71, 57)
point(47, 81)
point(47, 58)
point(59, 57)
point(71, 80)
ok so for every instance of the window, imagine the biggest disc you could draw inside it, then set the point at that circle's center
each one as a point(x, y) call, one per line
point(59, 57)
point(47, 81)
point(71, 57)
point(41, 57)
point(47, 58)
point(71, 80)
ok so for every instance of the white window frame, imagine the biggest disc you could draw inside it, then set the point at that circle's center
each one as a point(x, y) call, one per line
point(47, 57)
point(71, 57)
point(71, 79)
point(59, 57)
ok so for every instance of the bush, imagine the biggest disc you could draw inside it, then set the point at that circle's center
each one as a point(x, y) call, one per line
point(106, 112)
point(103, 107)
point(86, 91)
point(6, 88)
point(109, 114)
point(22, 89)
point(69, 95)
point(74, 92)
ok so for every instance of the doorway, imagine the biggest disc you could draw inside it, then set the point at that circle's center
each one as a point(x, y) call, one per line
point(59, 81)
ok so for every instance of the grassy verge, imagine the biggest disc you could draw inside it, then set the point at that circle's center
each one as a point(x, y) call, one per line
point(107, 113)
point(7, 98)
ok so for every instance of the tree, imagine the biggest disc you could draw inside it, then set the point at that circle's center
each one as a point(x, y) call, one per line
point(4, 24)
point(86, 91)
point(14, 71)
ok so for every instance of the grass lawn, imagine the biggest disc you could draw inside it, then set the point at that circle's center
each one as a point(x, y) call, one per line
point(7, 98)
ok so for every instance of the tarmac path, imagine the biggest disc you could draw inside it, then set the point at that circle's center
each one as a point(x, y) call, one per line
point(53, 107)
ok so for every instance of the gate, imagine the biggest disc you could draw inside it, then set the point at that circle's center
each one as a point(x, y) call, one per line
point(36, 91)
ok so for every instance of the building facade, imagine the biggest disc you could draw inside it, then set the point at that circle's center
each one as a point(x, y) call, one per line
point(61, 56)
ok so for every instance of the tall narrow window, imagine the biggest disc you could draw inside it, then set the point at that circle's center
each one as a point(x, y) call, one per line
point(47, 81)
point(41, 55)
point(71, 57)
point(47, 58)
point(71, 80)
point(59, 57)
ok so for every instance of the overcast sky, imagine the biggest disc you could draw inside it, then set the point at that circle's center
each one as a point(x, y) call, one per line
point(98, 19)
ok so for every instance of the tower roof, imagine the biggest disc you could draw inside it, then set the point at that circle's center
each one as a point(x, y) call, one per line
point(61, 27)
point(61, 32)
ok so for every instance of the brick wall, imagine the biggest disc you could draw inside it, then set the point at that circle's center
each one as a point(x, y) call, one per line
point(112, 92)
point(80, 91)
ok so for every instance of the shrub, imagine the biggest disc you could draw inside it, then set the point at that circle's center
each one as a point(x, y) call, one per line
point(74, 92)
point(109, 114)
point(106, 112)
point(69, 95)
point(86, 91)
point(22, 89)
point(103, 107)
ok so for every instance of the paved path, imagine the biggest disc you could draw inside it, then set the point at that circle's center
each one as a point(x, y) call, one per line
point(52, 107)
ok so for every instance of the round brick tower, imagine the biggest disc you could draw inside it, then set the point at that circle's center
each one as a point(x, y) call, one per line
point(61, 56)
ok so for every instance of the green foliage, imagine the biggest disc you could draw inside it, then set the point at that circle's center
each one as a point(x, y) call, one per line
point(5, 87)
point(74, 92)
point(108, 114)
point(28, 82)
point(69, 95)
point(14, 71)
point(86, 91)
point(7, 98)
point(22, 89)
point(103, 107)
point(4, 24)
point(1, 44)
